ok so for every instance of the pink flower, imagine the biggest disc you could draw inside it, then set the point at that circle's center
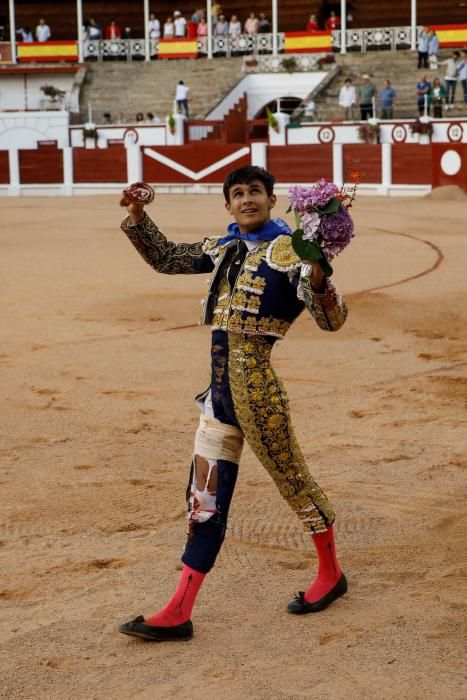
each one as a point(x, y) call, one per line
point(310, 225)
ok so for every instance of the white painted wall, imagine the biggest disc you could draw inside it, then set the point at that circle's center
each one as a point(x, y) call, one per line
point(261, 88)
point(25, 129)
point(147, 135)
point(19, 92)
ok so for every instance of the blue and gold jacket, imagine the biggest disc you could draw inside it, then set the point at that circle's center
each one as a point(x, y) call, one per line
point(267, 295)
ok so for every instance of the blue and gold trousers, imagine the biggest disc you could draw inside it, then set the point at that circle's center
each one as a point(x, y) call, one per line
point(246, 393)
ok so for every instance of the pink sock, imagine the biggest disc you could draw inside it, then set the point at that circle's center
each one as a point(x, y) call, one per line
point(179, 607)
point(329, 571)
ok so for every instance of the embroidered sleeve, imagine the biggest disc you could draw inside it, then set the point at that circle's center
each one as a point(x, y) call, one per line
point(328, 309)
point(163, 255)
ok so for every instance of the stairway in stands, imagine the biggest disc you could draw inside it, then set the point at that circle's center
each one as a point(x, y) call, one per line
point(114, 86)
point(400, 67)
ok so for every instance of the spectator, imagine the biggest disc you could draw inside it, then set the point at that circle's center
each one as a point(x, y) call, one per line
point(120, 118)
point(169, 28)
point(126, 34)
point(25, 34)
point(452, 66)
point(222, 26)
point(43, 32)
point(423, 89)
point(235, 27)
point(94, 30)
point(154, 27)
point(192, 27)
point(312, 24)
point(107, 118)
point(202, 29)
point(113, 31)
point(139, 117)
point(264, 25)
point(437, 95)
point(423, 49)
point(181, 95)
point(333, 22)
point(310, 111)
point(151, 118)
point(367, 95)
point(216, 10)
point(463, 73)
point(348, 99)
point(251, 25)
point(433, 48)
point(198, 15)
point(180, 25)
point(386, 100)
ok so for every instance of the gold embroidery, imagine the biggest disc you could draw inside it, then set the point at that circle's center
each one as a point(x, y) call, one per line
point(261, 407)
point(281, 255)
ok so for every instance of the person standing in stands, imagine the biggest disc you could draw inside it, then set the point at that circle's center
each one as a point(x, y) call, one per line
point(367, 95)
point(43, 32)
point(423, 90)
point(386, 100)
point(423, 49)
point(333, 22)
point(181, 98)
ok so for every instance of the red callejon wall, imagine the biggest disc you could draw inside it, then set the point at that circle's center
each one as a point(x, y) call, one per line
point(100, 164)
point(366, 158)
point(41, 166)
point(300, 163)
point(411, 164)
point(4, 168)
point(449, 164)
point(195, 157)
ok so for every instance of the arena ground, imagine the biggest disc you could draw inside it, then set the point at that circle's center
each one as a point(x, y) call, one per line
point(101, 358)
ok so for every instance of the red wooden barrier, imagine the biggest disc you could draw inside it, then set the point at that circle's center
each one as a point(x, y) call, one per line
point(100, 165)
point(300, 163)
point(195, 156)
point(364, 157)
point(42, 166)
point(4, 168)
point(411, 164)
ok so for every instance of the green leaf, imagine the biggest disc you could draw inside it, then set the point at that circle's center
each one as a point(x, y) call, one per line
point(331, 207)
point(297, 218)
point(310, 250)
point(289, 209)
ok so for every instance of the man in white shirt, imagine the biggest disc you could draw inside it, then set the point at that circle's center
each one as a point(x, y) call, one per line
point(154, 27)
point(43, 32)
point(180, 24)
point(348, 100)
point(181, 97)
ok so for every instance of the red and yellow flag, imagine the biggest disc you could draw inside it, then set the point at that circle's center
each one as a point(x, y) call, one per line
point(307, 42)
point(177, 48)
point(46, 51)
point(451, 35)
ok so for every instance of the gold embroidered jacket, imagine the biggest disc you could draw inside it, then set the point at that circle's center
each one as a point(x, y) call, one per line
point(268, 293)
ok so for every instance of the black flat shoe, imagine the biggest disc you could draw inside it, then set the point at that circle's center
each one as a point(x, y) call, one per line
point(137, 628)
point(299, 605)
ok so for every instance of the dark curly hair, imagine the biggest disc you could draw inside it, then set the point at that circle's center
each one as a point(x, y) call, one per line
point(245, 175)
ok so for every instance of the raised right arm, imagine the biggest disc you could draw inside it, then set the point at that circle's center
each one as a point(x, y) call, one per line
point(163, 255)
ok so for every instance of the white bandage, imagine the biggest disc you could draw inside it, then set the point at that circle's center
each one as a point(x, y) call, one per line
point(216, 440)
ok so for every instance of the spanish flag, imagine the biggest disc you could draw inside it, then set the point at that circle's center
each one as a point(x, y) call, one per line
point(307, 42)
point(45, 51)
point(451, 35)
point(177, 48)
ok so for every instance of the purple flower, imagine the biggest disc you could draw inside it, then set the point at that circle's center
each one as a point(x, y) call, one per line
point(335, 232)
point(310, 225)
point(318, 195)
point(322, 192)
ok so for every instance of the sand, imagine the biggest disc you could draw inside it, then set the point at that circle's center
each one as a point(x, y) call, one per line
point(100, 360)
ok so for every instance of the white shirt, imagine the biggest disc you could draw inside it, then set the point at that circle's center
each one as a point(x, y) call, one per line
point(43, 32)
point(168, 30)
point(347, 96)
point(154, 29)
point(235, 28)
point(180, 24)
point(181, 92)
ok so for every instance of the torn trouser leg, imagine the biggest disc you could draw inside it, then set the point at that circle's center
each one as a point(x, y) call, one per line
point(261, 408)
point(219, 445)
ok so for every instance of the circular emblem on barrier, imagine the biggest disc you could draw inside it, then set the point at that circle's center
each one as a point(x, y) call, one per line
point(399, 133)
point(455, 132)
point(130, 136)
point(326, 134)
point(451, 162)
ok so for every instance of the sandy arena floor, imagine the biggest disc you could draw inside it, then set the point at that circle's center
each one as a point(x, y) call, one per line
point(100, 360)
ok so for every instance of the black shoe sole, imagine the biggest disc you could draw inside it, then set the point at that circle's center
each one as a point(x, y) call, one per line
point(299, 605)
point(137, 628)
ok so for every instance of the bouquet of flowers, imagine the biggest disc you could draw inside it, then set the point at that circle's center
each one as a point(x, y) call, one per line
point(420, 126)
point(324, 225)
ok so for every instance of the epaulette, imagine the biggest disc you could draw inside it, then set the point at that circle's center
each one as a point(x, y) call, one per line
point(209, 246)
point(281, 256)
